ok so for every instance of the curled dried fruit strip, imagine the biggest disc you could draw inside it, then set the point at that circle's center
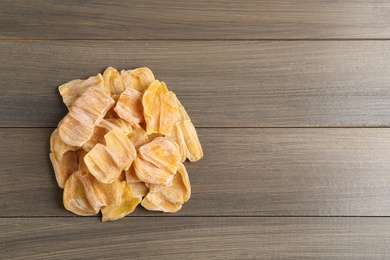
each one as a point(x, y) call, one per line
point(126, 206)
point(106, 162)
point(71, 90)
point(184, 134)
point(170, 198)
point(84, 195)
point(63, 157)
point(74, 197)
point(139, 78)
point(162, 153)
point(129, 106)
point(86, 112)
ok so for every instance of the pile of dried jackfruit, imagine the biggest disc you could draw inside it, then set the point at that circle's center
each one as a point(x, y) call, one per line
point(122, 143)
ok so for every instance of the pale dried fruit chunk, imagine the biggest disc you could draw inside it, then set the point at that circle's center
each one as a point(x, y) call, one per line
point(101, 163)
point(157, 161)
point(148, 172)
point(74, 197)
point(58, 147)
point(71, 90)
point(152, 101)
point(139, 188)
point(169, 113)
point(107, 162)
point(184, 134)
point(86, 112)
point(162, 109)
point(129, 106)
point(111, 112)
point(128, 204)
point(101, 194)
point(98, 135)
point(138, 137)
point(113, 82)
point(170, 198)
point(121, 124)
point(63, 157)
point(66, 167)
point(161, 152)
point(139, 78)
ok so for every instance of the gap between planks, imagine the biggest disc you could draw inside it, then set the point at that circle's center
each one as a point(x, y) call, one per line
point(198, 40)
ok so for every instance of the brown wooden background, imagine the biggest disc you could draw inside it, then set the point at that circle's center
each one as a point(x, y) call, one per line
point(291, 100)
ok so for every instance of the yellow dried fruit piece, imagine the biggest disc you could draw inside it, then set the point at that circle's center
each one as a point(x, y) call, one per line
point(106, 162)
point(128, 204)
point(86, 112)
point(170, 198)
point(162, 153)
point(169, 113)
point(66, 167)
point(152, 101)
point(138, 137)
point(113, 81)
point(121, 124)
point(71, 90)
point(101, 194)
point(84, 195)
point(58, 147)
point(185, 136)
point(138, 79)
point(63, 157)
point(139, 189)
point(129, 107)
point(150, 173)
point(74, 197)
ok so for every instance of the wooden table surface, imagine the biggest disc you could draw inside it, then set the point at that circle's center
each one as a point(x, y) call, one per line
point(291, 100)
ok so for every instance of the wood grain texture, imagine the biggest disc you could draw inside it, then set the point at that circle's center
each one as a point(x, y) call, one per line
point(199, 19)
point(220, 83)
point(244, 172)
point(194, 238)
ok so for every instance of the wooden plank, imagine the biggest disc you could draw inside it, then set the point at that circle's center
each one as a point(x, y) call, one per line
point(199, 19)
point(220, 83)
point(194, 238)
point(244, 172)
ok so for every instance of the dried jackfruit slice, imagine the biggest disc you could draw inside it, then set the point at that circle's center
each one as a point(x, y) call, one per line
point(107, 162)
point(64, 169)
point(71, 90)
point(152, 100)
point(138, 79)
point(185, 136)
point(162, 109)
point(138, 186)
point(170, 198)
point(58, 147)
point(101, 194)
point(169, 113)
point(138, 137)
point(113, 81)
point(63, 157)
point(74, 197)
point(86, 112)
point(111, 112)
point(129, 107)
point(126, 206)
point(121, 124)
point(150, 173)
point(162, 153)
